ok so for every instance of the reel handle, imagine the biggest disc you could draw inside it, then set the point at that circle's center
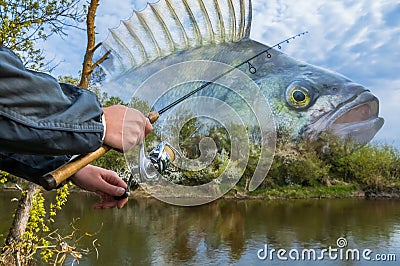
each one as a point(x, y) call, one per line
point(53, 179)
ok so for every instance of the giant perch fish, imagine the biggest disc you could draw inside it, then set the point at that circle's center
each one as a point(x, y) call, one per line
point(305, 100)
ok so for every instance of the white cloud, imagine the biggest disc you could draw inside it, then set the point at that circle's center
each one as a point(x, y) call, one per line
point(341, 32)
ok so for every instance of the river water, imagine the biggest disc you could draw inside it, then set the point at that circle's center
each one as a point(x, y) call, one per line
point(232, 232)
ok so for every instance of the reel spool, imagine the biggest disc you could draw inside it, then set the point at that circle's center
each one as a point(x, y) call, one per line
point(162, 156)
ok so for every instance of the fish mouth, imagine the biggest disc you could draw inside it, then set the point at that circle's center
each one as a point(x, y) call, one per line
point(357, 120)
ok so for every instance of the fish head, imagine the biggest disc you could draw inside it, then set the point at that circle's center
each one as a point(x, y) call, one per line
point(308, 100)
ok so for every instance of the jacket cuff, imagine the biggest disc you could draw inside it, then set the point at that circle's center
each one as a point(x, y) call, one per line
point(103, 120)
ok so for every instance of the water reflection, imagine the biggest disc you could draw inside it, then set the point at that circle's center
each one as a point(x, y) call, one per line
point(230, 232)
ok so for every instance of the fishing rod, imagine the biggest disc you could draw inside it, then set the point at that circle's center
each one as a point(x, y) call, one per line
point(252, 70)
point(163, 151)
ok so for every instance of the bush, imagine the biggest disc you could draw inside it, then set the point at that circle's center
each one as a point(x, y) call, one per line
point(374, 167)
point(296, 163)
point(331, 160)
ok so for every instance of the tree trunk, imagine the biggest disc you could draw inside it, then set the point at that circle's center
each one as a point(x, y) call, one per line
point(87, 67)
point(19, 225)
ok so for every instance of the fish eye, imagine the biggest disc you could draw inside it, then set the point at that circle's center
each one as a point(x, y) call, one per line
point(298, 96)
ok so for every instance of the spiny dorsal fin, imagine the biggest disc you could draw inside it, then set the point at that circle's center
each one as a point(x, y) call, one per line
point(168, 26)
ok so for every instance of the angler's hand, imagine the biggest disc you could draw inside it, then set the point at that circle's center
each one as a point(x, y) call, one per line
point(125, 127)
point(104, 182)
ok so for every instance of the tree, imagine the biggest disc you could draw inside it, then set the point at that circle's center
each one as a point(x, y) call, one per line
point(24, 22)
point(12, 255)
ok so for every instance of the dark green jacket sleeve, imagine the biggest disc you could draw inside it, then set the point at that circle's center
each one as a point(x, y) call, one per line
point(40, 116)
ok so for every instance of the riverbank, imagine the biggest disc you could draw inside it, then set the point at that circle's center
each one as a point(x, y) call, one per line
point(289, 192)
point(298, 192)
point(285, 193)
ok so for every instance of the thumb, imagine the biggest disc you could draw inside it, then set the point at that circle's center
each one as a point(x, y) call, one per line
point(148, 127)
point(111, 189)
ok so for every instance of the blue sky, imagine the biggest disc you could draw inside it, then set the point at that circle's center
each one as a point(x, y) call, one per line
point(359, 39)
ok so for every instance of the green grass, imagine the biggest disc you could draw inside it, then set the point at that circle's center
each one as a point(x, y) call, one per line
point(299, 192)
